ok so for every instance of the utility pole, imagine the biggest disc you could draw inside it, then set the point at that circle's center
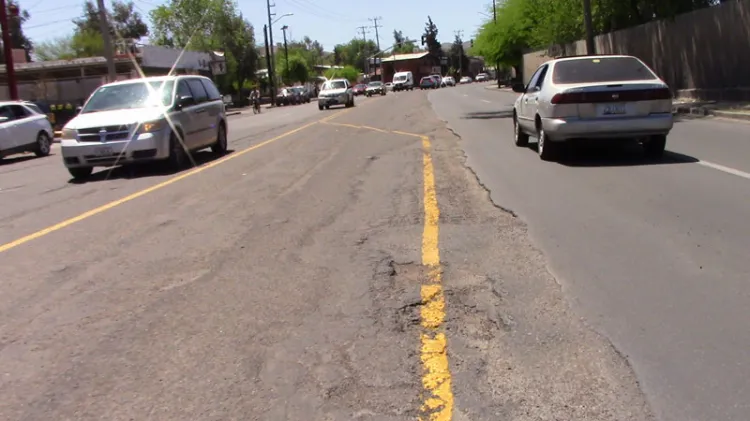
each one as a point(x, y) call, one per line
point(590, 45)
point(286, 50)
point(109, 54)
point(459, 34)
point(268, 52)
point(271, 69)
point(10, 70)
point(494, 20)
point(364, 47)
point(377, 40)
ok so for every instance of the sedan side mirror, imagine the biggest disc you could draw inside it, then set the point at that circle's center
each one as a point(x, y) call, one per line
point(519, 87)
point(78, 109)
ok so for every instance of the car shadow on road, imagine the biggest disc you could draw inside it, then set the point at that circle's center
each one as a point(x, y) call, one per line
point(17, 159)
point(488, 115)
point(613, 155)
point(152, 169)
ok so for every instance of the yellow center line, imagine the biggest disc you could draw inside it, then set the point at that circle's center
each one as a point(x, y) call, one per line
point(437, 399)
point(60, 225)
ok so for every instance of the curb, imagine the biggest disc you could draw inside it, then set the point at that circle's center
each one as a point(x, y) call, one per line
point(704, 112)
point(495, 88)
point(234, 113)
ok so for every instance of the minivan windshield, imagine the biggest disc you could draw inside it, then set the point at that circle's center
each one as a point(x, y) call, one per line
point(399, 78)
point(600, 69)
point(130, 95)
point(338, 84)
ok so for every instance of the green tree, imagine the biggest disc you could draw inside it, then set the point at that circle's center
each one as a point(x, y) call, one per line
point(238, 37)
point(458, 59)
point(400, 44)
point(295, 70)
point(430, 38)
point(194, 24)
point(354, 53)
point(17, 38)
point(88, 43)
point(55, 49)
point(125, 21)
point(347, 72)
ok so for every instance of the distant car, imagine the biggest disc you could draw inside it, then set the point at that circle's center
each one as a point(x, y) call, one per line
point(593, 97)
point(160, 118)
point(359, 89)
point(375, 88)
point(389, 86)
point(482, 77)
point(464, 80)
point(24, 128)
point(438, 80)
point(427, 82)
point(449, 81)
point(287, 96)
point(301, 93)
point(336, 92)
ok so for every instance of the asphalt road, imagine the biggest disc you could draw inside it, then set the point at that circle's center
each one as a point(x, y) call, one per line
point(653, 254)
point(313, 273)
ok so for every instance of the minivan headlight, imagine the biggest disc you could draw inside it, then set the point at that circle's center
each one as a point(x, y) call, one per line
point(153, 126)
point(69, 134)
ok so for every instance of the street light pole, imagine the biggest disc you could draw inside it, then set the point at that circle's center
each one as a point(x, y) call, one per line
point(286, 50)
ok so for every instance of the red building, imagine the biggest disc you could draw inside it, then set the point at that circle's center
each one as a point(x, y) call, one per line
point(419, 64)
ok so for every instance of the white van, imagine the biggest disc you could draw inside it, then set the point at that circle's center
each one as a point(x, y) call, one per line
point(403, 81)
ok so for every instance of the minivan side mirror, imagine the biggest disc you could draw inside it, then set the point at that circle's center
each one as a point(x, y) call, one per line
point(185, 101)
point(518, 87)
point(78, 109)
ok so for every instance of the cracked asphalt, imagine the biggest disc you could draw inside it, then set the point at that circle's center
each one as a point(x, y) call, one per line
point(284, 284)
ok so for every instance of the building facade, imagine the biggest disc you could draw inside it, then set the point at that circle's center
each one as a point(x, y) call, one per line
point(419, 64)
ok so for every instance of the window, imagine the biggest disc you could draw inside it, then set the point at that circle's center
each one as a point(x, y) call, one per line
point(6, 114)
point(601, 69)
point(534, 80)
point(130, 95)
point(542, 76)
point(336, 84)
point(199, 92)
point(34, 108)
point(213, 93)
point(19, 112)
point(183, 89)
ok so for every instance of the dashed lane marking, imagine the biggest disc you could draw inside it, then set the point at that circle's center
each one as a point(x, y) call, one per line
point(727, 170)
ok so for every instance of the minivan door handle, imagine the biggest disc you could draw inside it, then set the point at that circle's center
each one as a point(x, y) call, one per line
point(200, 110)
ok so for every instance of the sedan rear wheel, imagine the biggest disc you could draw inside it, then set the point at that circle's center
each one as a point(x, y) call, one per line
point(654, 146)
point(546, 148)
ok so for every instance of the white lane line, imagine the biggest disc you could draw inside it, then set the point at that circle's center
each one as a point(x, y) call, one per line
point(727, 170)
point(484, 100)
point(466, 95)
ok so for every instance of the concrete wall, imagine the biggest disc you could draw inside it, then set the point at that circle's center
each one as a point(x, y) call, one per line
point(704, 54)
point(74, 90)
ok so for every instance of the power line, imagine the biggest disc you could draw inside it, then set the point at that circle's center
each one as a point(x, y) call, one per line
point(364, 32)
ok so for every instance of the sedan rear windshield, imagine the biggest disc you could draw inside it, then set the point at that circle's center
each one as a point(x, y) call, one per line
point(600, 69)
point(334, 85)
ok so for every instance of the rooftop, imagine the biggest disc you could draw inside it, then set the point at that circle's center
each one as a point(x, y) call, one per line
point(60, 64)
point(402, 57)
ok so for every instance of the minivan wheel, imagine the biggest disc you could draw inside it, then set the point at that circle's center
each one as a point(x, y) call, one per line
point(177, 154)
point(81, 173)
point(220, 147)
point(43, 144)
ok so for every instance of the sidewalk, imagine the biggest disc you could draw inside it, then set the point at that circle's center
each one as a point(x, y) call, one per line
point(732, 110)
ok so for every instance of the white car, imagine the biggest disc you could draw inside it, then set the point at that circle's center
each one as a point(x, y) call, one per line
point(23, 128)
point(464, 80)
point(336, 92)
point(593, 97)
point(482, 77)
point(449, 81)
point(150, 119)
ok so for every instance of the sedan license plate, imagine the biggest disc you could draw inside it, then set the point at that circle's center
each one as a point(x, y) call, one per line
point(104, 151)
point(614, 109)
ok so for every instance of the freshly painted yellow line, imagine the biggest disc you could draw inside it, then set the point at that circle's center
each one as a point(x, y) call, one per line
point(437, 396)
point(100, 209)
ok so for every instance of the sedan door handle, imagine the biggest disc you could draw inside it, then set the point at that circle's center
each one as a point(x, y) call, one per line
point(200, 110)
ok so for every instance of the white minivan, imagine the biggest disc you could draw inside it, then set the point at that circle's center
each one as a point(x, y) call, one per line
point(403, 81)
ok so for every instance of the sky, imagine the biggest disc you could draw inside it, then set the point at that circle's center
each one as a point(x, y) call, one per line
point(330, 22)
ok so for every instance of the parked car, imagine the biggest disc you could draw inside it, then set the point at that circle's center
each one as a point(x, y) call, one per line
point(139, 120)
point(302, 95)
point(24, 128)
point(482, 77)
point(403, 81)
point(438, 80)
point(287, 96)
point(465, 79)
point(427, 82)
point(449, 81)
point(375, 88)
point(336, 92)
point(389, 86)
point(359, 89)
point(593, 97)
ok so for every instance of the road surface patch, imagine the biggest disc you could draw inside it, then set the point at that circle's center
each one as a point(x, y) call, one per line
point(437, 396)
point(60, 225)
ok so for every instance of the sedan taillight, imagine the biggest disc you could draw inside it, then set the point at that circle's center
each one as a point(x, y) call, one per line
point(611, 96)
